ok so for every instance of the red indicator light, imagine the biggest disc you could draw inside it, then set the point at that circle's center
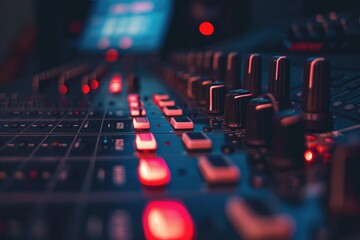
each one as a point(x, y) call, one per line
point(115, 84)
point(94, 84)
point(85, 89)
point(63, 89)
point(111, 55)
point(206, 28)
point(153, 172)
point(309, 156)
point(167, 220)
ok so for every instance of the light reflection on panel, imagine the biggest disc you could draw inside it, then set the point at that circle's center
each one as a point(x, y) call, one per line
point(127, 25)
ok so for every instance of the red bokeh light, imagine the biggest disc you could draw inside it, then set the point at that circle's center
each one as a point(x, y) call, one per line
point(94, 84)
point(115, 84)
point(167, 219)
point(111, 55)
point(153, 172)
point(85, 89)
point(309, 156)
point(206, 28)
point(63, 89)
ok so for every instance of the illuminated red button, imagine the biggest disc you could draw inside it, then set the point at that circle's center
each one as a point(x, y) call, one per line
point(135, 104)
point(145, 142)
point(153, 172)
point(137, 111)
point(133, 98)
point(115, 85)
point(141, 123)
point(166, 103)
point(167, 220)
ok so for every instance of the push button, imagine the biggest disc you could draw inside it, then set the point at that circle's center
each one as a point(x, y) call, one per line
point(153, 172)
point(137, 111)
point(172, 111)
point(145, 142)
point(141, 123)
point(181, 123)
point(196, 141)
point(218, 170)
point(166, 103)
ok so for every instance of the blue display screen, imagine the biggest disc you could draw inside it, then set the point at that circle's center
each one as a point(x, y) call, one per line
point(126, 25)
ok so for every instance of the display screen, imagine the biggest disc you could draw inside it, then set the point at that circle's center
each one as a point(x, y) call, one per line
point(126, 25)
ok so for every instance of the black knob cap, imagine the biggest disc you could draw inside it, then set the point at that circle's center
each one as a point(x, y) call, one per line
point(215, 96)
point(252, 74)
point(232, 74)
point(279, 80)
point(236, 102)
point(316, 95)
point(219, 65)
point(259, 118)
point(200, 90)
point(190, 61)
point(287, 145)
point(344, 189)
point(199, 61)
point(208, 62)
point(133, 82)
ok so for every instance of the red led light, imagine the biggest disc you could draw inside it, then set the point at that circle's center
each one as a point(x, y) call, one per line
point(63, 89)
point(153, 172)
point(167, 220)
point(94, 84)
point(115, 84)
point(111, 55)
point(309, 156)
point(85, 89)
point(206, 28)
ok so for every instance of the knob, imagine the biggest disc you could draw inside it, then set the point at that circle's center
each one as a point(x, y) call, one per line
point(208, 62)
point(287, 144)
point(219, 63)
point(215, 96)
point(252, 74)
point(316, 95)
point(259, 122)
point(200, 90)
point(190, 61)
point(133, 82)
point(232, 75)
point(199, 61)
point(279, 80)
point(235, 107)
point(344, 189)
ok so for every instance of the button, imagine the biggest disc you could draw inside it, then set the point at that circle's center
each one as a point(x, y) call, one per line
point(251, 226)
point(337, 103)
point(172, 111)
point(166, 103)
point(153, 172)
point(137, 111)
point(167, 219)
point(196, 141)
point(135, 104)
point(181, 123)
point(145, 142)
point(141, 123)
point(218, 170)
point(133, 98)
point(160, 96)
point(349, 107)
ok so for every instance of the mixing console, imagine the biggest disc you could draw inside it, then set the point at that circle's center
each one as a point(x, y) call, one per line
point(182, 149)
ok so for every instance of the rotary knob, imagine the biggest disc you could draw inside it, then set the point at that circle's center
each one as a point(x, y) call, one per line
point(219, 65)
point(215, 96)
point(287, 145)
point(316, 95)
point(279, 80)
point(236, 102)
point(232, 74)
point(259, 118)
point(252, 74)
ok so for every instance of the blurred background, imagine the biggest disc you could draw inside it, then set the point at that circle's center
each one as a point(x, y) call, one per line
point(39, 34)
